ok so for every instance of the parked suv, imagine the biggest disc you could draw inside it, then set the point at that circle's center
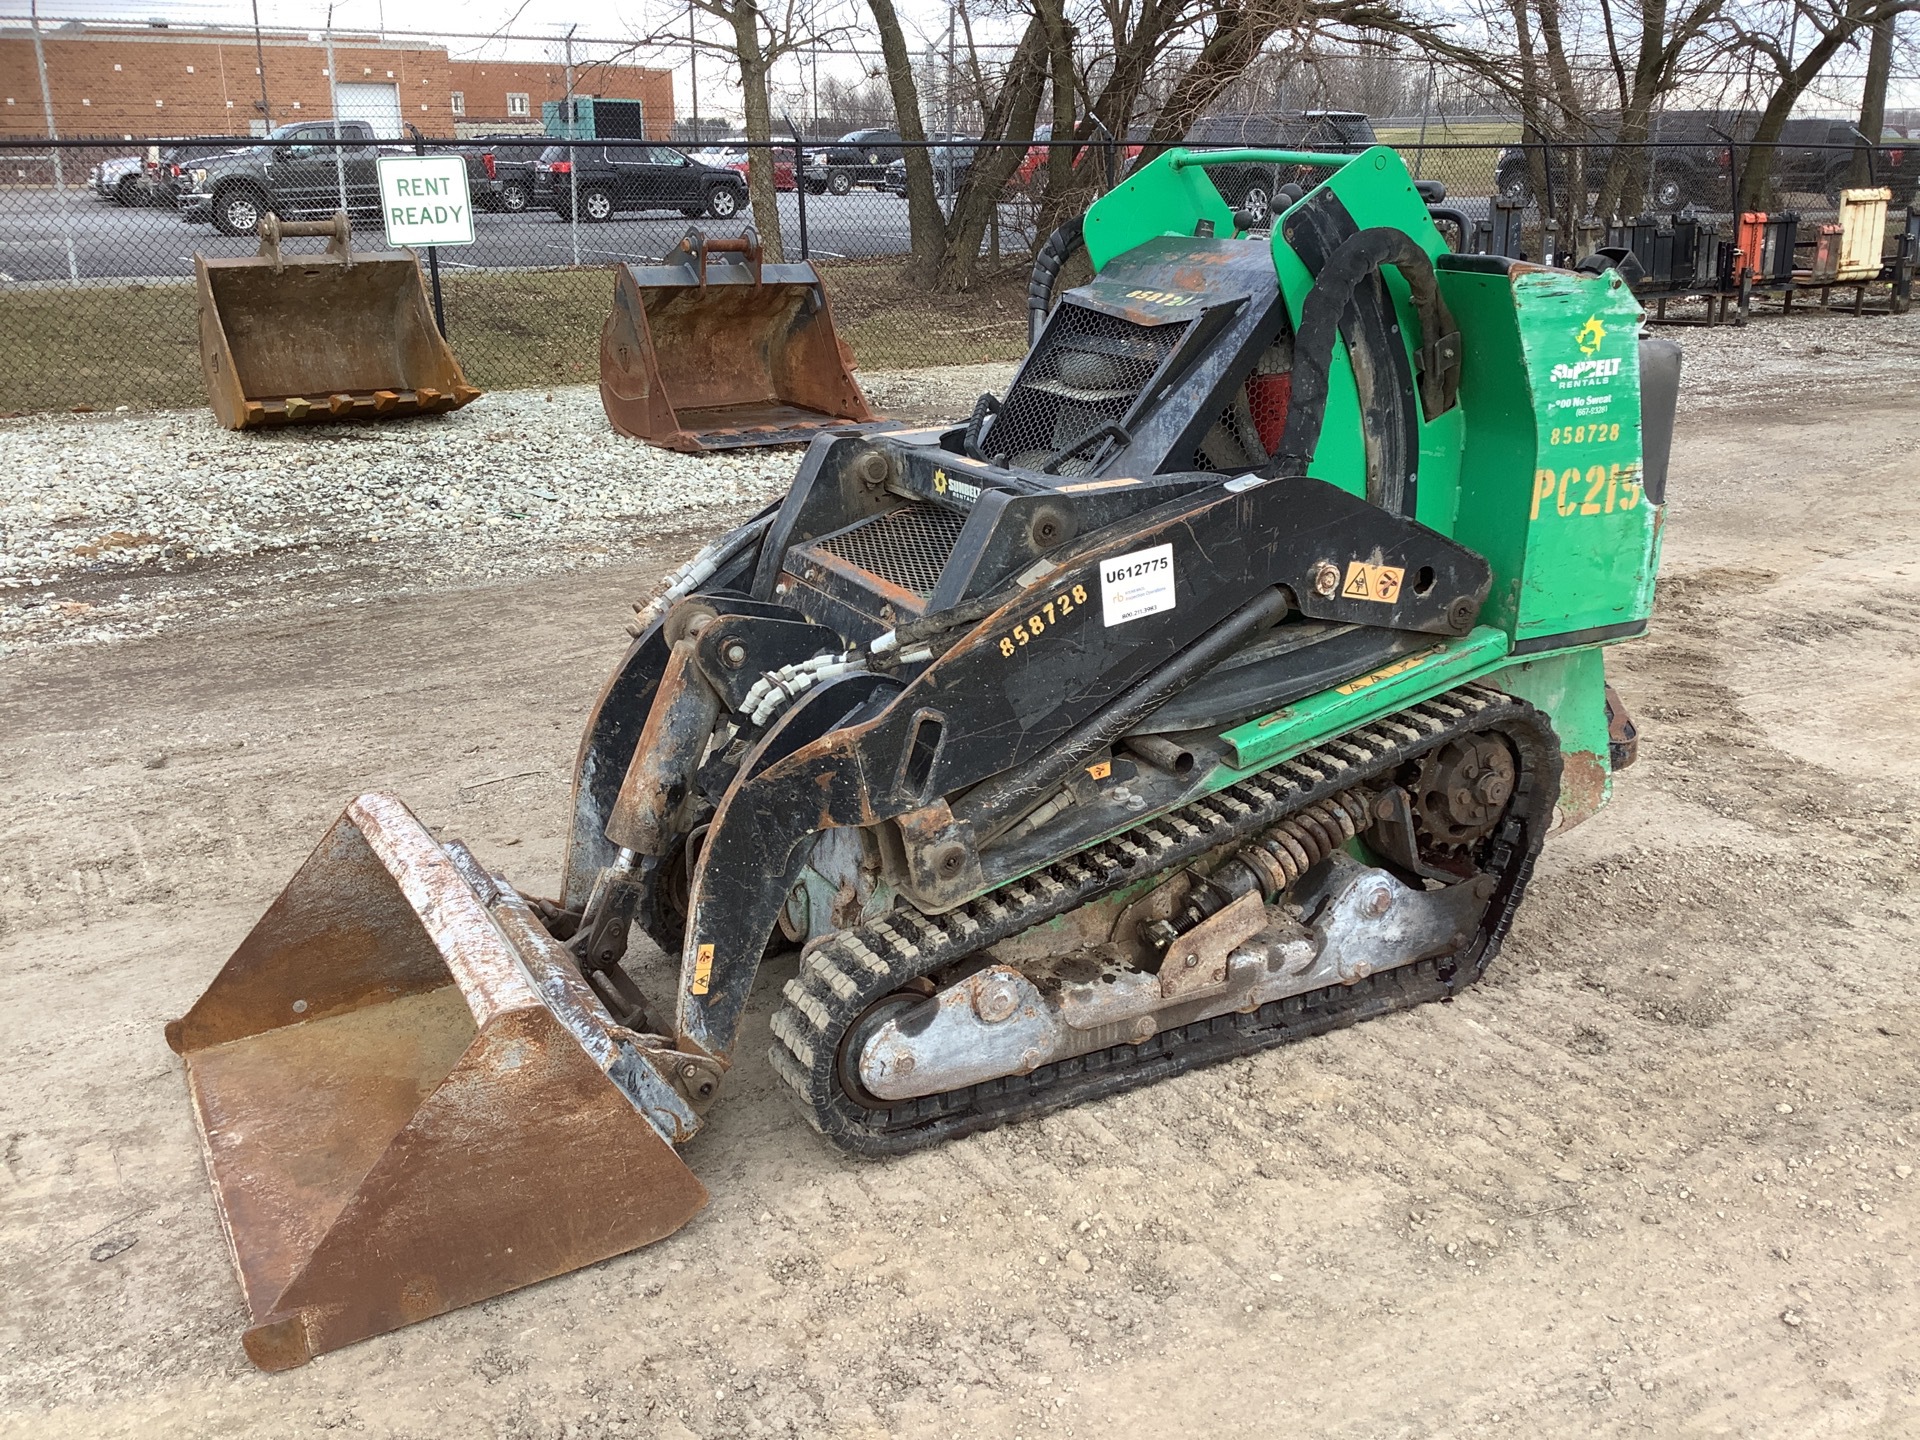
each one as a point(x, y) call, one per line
point(1251, 187)
point(612, 178)
point(294, 181)
point(859, 157)
point(950, 162)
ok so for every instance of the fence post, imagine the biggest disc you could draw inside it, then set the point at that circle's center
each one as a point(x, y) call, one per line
point(53, 138)
point(433, 251)
point(799, 182)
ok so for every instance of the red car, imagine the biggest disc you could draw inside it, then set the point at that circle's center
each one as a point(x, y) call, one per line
point(782, 171)
point(1035, 160)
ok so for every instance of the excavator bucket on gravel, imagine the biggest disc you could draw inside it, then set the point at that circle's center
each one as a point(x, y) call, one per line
point(333, 336)
point(712, 349)
point(409, 1100)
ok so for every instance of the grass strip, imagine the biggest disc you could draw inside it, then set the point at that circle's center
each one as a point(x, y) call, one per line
point(101, 346)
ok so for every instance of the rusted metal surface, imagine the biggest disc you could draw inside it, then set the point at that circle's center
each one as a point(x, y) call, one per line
point(1004, 1021)
point(698, 356)
point(659, 782)
point(1583, 788)
point(409, 1099)
point(335, 336)
point(1197, 961)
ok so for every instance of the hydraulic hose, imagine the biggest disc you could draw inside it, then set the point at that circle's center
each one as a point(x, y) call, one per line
point(1048, 262)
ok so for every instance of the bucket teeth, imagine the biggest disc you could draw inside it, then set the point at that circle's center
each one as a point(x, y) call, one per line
point(296, 343)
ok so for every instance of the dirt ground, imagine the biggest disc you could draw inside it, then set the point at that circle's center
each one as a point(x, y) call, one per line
point(1654, 1177)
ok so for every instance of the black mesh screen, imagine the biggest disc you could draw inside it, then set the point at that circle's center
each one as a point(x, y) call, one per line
point(1087, 372)
point(1248, 431)
point(907, 547)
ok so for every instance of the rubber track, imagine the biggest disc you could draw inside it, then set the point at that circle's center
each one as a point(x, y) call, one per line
point(846, 972)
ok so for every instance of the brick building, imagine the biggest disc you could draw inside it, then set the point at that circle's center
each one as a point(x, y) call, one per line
point(111, 82)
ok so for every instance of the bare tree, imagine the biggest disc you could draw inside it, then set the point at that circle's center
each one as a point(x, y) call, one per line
point(1873, 95)
point(1765, 31)
point(925, 224)
point(759, 34)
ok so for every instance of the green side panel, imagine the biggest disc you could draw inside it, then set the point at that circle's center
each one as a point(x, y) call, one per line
point(1376, 190)
point(1413, 678)
point(1571, 687)
point(1157, 199)
point(1551, 493)
point(1169, 198)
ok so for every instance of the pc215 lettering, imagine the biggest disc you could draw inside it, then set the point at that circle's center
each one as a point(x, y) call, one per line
point(1136, 584)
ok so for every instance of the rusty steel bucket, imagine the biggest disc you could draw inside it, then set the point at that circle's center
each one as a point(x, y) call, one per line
point(333, 336)
point(711, 349)
point(409, 1099)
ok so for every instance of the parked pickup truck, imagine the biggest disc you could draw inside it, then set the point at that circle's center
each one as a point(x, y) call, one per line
point(298, 180)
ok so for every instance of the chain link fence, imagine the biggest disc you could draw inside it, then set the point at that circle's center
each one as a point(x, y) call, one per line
point(97, 241)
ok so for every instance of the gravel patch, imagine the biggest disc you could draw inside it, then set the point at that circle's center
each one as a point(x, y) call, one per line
point(123, 524)
point(1799, 358)
point(517, 483)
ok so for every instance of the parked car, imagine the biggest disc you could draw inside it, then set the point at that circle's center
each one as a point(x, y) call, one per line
point(1687, 162)
point(1035, 160)
point(782, 171)
point(612, 178)
point(1251, 187)
point(1816, 157)
point(950, 166)
point(859, 157)
point(121, 180)
point(505, 166)
point(172, 167)
point(297, 180)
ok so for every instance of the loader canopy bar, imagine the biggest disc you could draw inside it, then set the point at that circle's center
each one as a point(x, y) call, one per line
point(1188, 159)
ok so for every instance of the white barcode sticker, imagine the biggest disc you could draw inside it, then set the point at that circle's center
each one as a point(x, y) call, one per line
point(1137, 584)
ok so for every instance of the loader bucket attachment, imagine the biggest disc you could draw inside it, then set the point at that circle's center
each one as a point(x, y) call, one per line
point(713, 350)
point(333, 336)
point(409, 1100)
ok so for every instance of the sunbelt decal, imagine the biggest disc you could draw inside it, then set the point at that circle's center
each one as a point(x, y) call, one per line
point(1582, 371)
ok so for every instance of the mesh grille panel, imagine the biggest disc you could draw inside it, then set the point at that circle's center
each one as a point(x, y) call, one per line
point(907, 547)
point(1087, 373)
point(1249, 430)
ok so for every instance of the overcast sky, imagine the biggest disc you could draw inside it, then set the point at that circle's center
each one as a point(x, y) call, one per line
point(469, 27)
point(535, 30)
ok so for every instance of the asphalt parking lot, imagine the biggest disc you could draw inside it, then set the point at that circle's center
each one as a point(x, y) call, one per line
point(114, 242)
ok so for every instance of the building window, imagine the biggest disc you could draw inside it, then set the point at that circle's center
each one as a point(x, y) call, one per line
point(516, 104)
point(459, 102)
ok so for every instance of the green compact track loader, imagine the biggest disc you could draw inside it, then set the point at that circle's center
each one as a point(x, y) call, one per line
point(1215, 686)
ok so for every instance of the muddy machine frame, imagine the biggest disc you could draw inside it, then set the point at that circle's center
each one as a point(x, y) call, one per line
point(1215, 686)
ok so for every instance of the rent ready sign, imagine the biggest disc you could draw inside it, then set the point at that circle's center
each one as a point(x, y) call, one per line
point(424, 200)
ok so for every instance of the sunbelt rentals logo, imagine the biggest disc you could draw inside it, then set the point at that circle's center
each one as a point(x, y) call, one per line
point(1590, 335)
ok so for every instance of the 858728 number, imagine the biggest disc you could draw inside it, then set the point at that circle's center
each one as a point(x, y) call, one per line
point(1035, 625)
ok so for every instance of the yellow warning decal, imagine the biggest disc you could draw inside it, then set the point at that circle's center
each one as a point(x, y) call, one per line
point(1379, 583)
point(1386, 672)
point(1101, 770)
point(1081, 487)
point(702, 970)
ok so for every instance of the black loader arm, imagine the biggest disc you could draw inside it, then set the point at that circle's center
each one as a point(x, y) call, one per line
point(1105, 629)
